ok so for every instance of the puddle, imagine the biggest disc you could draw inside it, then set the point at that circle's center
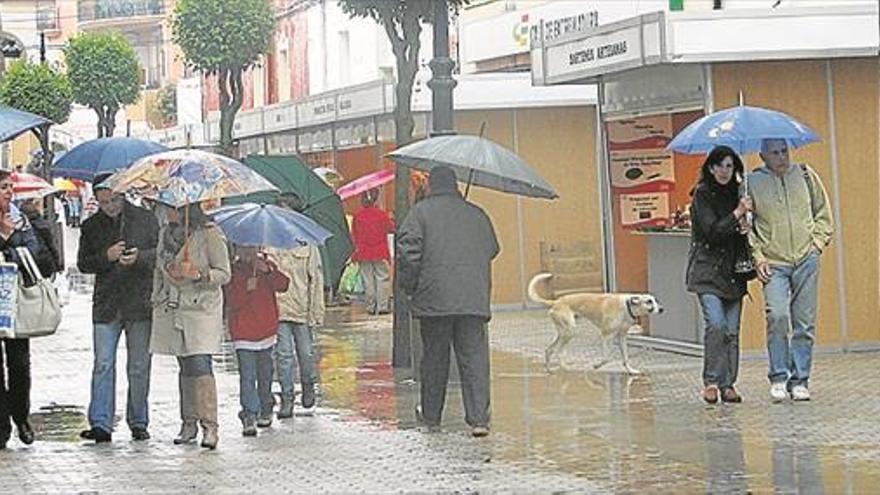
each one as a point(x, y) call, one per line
point(59, 422)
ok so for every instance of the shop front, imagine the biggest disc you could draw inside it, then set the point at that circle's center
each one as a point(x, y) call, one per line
point(656, 73)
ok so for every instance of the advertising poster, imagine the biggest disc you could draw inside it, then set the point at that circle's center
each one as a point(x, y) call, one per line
point(644, 209)
point(638, 159)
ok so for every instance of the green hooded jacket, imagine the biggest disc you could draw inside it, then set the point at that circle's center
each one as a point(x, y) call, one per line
point(792, 215)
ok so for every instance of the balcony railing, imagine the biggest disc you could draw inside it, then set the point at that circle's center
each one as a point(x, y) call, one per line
point(98, 10)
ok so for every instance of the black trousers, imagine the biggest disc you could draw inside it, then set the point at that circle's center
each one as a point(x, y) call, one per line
point(467, 334)
point(15, 383)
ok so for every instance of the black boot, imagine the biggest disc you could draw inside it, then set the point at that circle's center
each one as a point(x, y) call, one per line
point(25, 432)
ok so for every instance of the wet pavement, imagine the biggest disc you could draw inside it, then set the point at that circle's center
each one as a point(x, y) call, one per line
point(575, 431)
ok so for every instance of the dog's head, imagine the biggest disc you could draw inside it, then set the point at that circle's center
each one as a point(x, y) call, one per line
point(643, 305)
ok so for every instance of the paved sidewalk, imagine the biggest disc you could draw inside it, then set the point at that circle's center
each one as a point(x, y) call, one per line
point(577, 431)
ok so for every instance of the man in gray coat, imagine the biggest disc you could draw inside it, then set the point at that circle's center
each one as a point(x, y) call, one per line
point(445, 248)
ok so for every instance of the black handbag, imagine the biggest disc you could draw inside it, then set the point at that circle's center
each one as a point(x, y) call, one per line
point(744, 266)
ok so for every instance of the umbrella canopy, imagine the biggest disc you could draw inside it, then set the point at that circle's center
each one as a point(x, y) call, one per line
point(103, 156)
point(477, 161)
point(741, 128)
point(180, 177)
point(291, 175)
point(250, 224)
point(14, 122)
point(330, 176)
point(29, 186)
point(65, 185)
point(365, 183)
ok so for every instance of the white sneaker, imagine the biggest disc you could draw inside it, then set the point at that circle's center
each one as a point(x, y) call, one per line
point(800, 393)
point(778, 392)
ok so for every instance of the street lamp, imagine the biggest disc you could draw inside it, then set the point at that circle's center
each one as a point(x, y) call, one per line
point(441, 82)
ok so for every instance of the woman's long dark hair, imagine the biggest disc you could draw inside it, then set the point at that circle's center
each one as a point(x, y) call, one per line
point(716, 156)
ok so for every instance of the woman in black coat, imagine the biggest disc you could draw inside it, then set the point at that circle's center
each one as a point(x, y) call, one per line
point(15, 356)
point(719, 228)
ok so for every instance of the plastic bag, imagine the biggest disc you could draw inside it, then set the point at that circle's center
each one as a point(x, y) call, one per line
point(351, 281)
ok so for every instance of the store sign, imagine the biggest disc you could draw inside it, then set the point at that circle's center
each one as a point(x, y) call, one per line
point(628, 44)
point(561, 26)
point(639, 160)
point(644, 209)
point(509, 34)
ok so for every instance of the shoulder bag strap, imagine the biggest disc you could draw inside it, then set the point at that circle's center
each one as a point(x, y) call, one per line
point(809, 179)
point(30, 265)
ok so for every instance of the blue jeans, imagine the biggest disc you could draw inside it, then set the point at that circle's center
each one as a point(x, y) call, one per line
point(721, 342)
point(791, 296)
point(103, 402)
point(255, 382)
point(292, 334)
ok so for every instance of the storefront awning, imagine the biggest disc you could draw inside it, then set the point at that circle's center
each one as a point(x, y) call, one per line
point(708, 36)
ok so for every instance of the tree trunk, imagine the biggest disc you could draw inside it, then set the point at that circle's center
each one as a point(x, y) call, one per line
point(110, 122)
point(407, 55)
point(231, 98)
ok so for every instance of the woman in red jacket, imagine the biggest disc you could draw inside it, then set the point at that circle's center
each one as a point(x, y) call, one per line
point(370, 228)
point(252, 314)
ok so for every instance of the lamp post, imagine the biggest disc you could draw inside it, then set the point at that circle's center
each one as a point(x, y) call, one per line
point(441, 82)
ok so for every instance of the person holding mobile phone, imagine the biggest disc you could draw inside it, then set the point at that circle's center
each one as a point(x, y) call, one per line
point(118, 246)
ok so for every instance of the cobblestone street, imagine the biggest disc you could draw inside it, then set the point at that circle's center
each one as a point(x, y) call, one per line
point(574, 431)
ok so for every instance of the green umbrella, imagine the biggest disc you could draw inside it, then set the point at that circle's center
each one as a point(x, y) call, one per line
point(291, 175)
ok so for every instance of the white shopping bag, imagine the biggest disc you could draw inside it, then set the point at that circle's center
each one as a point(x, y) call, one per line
point(8, 295)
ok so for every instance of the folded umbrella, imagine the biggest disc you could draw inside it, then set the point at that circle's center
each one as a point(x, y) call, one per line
point(476, 160)
point(251, 224)
point(103, 156)
point(365, 183)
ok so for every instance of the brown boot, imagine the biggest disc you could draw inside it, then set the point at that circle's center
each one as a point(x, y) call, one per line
point(189, 415)
point(206, 390)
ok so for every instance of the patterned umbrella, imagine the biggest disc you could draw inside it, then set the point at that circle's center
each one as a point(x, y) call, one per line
point(181, 177)
point(29, 186)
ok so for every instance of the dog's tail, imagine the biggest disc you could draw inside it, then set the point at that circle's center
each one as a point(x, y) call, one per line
point(533, 288)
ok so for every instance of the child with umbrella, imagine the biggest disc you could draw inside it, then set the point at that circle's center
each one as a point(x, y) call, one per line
point(252, 315)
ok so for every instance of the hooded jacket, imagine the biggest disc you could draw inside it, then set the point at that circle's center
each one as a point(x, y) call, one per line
point(792, 215)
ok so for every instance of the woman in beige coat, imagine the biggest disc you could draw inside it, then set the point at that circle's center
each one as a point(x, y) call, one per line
point(191, 268)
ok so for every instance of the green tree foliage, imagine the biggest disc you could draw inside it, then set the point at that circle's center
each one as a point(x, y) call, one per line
point(38, 89)
point(166, 105)
point(224, 38)
point(105, 75)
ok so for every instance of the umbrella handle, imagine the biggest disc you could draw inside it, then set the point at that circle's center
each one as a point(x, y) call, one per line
point(186, 232)
point(467, 188)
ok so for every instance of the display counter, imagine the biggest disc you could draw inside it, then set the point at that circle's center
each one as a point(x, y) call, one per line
point(667, 259)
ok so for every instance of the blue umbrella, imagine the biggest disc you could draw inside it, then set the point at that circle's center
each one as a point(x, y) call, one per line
point(250, 224)
point(14, 122)
point(741, 128)
point(103, 156)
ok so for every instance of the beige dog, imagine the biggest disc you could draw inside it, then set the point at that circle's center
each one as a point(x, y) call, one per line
point(615, 315)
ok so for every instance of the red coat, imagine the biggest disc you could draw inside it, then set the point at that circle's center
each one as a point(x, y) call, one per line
point(370, 228)
point(253, 315)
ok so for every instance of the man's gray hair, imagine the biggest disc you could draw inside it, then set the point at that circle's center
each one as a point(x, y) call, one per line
point(766, 142)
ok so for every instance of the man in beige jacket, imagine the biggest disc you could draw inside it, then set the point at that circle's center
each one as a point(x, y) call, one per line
point(792, 227)
point(301, 309)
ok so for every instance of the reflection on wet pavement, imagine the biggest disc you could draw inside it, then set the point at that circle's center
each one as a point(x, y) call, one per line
point(575, 431)
point(627, 433)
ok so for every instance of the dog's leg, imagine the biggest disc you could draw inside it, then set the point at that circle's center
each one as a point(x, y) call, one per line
point(564, 321)
point(606, 353)
point(550, 353)
point(625, 356)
